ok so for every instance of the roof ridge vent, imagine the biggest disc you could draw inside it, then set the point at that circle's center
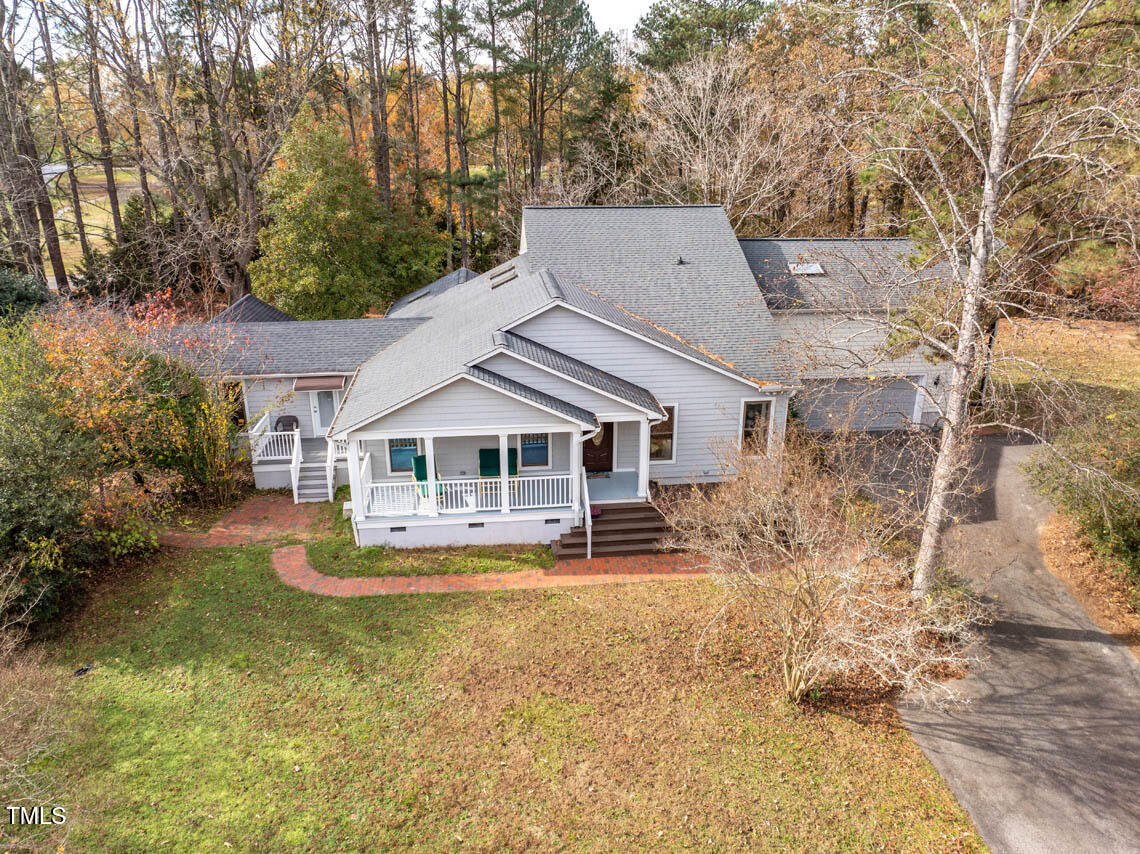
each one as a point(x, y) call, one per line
point(501, 277)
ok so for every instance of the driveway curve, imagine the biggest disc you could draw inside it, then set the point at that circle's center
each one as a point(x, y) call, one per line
point(1046, 757)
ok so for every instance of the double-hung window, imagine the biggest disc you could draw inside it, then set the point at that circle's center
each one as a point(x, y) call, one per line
point(534, 450)
point(400, 453)
point(663, 438)
point(754, 425)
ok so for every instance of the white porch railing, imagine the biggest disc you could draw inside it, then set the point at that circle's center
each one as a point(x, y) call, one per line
point(546, 490)
point(468, 495)
point(393, 499)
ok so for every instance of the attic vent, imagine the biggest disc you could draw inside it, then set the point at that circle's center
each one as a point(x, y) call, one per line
point(503, 276)
point(806, 268)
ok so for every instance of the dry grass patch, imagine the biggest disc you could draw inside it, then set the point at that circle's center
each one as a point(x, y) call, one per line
point(1096, 581)
point(226, 708)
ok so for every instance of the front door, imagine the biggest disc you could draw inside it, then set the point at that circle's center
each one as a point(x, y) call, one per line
point(323, 405)
point(598, 450)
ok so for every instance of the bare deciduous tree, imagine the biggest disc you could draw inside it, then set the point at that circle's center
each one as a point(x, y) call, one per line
point(995, 106)
point(799, 542)
point(712, 133)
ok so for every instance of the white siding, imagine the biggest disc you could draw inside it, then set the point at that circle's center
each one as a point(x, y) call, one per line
point(626, 444)
point(552, 384)
point(463, 403)
point(494, 531)
point(709, 401)
point(277, 397)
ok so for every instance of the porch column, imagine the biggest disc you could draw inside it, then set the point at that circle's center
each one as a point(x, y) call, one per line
point(576, 469)
point(429, 458)
point(355, 486)
point(643, 458)
point(504, 475)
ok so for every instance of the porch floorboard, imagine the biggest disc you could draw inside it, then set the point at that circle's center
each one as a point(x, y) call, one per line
point(612, 486)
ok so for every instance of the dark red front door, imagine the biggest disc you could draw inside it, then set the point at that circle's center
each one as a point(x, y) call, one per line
point(598, 450)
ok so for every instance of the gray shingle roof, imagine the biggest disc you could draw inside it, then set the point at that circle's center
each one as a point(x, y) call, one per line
point(300, 347)
point(865, 274)
point(250, 309)
point(443, 283)
point(629, 256)
point(460, 330)
point(571, 411)
point(586, 374)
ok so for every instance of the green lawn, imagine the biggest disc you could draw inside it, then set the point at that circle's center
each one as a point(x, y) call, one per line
point(228, 712)
point(338, 555)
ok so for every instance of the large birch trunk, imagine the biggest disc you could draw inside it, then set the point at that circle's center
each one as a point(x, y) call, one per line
point(952, 446)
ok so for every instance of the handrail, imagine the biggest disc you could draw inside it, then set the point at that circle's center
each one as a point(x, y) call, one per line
point(588, 519)
point(254, 436)
point(295, 464)
point(330, 468)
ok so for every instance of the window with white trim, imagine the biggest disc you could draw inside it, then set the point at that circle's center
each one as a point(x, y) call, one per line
point(754, 427)
point(663, 437)
point(400, 453)
point(534, 450)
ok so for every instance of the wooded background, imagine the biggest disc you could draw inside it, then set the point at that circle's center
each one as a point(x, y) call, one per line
point(138, 137)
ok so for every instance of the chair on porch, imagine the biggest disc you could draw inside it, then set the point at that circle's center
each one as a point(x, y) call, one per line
point(419, 474)
point(489, 462)
point(287, 423)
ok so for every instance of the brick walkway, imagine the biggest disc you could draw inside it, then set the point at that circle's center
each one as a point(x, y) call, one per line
point(260, 519)
point(293, 569)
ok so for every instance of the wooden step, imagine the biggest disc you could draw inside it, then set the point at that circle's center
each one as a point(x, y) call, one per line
point(628, 523)
point(618, 537)
point(601, 550)
point(642, 509)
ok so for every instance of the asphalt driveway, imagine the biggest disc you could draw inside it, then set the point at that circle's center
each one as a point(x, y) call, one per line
point(1046, 757)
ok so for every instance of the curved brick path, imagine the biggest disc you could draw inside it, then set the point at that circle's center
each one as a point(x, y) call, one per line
point(293, 568)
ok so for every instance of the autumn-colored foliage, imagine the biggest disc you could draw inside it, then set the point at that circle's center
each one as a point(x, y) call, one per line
point(101, 430)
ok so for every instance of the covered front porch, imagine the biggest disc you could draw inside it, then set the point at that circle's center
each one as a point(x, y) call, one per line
point(465, 481)
point(436, 473)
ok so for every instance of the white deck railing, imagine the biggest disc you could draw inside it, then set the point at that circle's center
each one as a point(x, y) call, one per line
point(468, 495)
point(295, 464)
point(266, 445)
